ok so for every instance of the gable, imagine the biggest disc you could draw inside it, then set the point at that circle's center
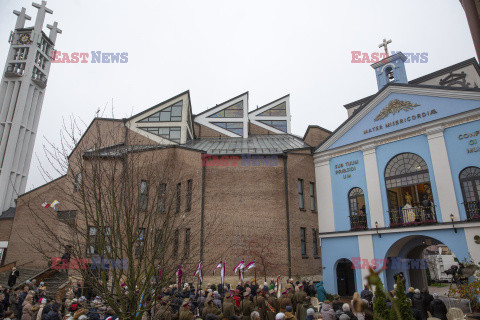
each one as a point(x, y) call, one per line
point(274, 116)
point(400, 107)
point(229, 118)
point(168, 122)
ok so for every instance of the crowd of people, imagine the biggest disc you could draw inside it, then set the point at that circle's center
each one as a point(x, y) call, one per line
point(247, 301)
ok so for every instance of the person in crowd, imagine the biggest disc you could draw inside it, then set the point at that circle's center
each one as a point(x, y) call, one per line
point(358, 308)
point(321, 293)
point(255, 315)
point(438, 308)
point(428, 298)
point(336, 303)
point(12, 278)
point(366, 293)
point(327, 311)
point(280, 316)
point(27, 312)
point(410, 293)
point(289, 313)
point(43, 303)
point(9, 315)
point(419, 304)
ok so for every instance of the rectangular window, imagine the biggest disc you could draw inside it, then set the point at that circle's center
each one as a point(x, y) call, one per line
point(315, 242)
point(140, 243)
point(143, 199)
point(158, 242)
point(313, 205)
point(187, 243)
point(301, 203)
point(189, 195)
point(303, 241)
point(162, 193)
point(178, 197)
point(175, 243)
point(98, 240)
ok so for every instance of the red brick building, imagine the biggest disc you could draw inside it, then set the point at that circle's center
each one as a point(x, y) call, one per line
point(245, 167)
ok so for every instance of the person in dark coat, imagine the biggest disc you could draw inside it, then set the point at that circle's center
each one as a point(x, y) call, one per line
point(53, 312)
point(428, 298)
point(419, 304)
point(410, 293)
point(366, 294)
point(12, 278)
point(438, 308)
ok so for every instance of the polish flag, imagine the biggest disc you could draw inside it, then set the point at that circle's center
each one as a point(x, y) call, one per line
point(218, 266)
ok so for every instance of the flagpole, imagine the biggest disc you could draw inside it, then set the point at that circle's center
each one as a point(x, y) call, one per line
point(255, 267)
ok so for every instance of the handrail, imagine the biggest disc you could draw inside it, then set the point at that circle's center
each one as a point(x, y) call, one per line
point(61, 291)
point(8, 266)
point(46, 273)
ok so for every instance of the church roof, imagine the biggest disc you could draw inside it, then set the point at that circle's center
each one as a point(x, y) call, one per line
point(370, 98)
point(254, 144)
point(471, 61)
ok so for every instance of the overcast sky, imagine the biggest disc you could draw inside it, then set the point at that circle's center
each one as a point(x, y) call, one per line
point(219, 49)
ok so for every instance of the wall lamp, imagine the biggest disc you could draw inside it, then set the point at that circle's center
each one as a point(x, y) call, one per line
point(453, 223)
point(376, 227)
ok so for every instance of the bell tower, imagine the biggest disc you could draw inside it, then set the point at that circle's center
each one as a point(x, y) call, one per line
point(391, 69)
point(21, 96)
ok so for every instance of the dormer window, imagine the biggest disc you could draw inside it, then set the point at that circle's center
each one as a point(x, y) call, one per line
point(389, 74)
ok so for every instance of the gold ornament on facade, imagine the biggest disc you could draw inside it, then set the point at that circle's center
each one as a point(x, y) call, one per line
point(395, 106)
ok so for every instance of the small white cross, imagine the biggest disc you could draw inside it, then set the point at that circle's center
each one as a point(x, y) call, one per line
point(385, 44)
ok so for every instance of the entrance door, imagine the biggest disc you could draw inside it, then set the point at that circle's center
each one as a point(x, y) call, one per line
point(345, 278)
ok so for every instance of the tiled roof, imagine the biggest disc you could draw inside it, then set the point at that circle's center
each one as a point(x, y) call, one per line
point(8, 214)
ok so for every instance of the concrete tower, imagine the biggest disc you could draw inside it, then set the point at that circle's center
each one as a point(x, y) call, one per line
point(21, 97)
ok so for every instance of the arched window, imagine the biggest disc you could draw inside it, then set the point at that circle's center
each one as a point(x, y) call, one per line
point(470, 184)
point(389, 74)
point(356, 203)
point(410, 198)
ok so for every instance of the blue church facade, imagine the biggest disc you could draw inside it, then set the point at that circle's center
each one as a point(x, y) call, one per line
point(400, 174)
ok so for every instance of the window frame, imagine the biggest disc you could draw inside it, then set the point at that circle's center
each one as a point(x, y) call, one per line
point(162, 197)
point(186, 244)
point(189, 195)
point(315, 243)
point(313, 197)
point(178, 197)
point(303, 242)
point(176, 243)
point(143, 196)
point(301, 192)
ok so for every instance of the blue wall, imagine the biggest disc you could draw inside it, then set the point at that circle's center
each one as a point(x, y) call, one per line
point(458, 156)
point(341, 187)
point(334, 249)
point(417, 145)
point(443, 107)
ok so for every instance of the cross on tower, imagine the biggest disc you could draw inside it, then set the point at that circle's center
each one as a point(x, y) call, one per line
point(53, 31)
point(385, 44)
point(22, 16)
point(42, 9)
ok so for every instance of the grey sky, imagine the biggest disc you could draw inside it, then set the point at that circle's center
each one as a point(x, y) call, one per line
point(219, 49)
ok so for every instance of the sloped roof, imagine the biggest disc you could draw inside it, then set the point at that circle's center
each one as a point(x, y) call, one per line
point(254, 144)
point(8, 214)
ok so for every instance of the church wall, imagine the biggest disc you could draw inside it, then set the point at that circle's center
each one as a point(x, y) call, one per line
point(300, 166)
point(202, 131)
point(28, 231)
point(5, 227)
point(463, 146)
point(334, 249)
point(315, 135)
point(254, 129)
point(343, 182)
point(418, 145)
point(250, 203)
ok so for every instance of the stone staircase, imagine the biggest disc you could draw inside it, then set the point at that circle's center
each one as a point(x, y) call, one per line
point(53, 282)
point(25, 274)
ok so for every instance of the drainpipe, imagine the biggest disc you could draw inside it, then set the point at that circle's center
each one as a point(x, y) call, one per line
point(287, 209)
point(202, 216)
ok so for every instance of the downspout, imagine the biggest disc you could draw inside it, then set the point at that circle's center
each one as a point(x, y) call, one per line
point(202, 215)
point(287, 209)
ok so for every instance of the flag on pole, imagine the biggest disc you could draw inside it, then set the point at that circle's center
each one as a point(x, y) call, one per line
point(179, 277)
point(278, 287)
point(250, 265)
point(218, 266)
point(45, 205)
point(199, 272)
point(239, 266)
point(222, 274)
point(54, 203)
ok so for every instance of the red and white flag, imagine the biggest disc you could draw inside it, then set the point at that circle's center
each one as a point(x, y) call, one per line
point(199, 272)
point(277, 285)
point(250, 265)
point(218, 266)
point(179, 276)
point(239, 266)
point(45, 205)
point(222, 273)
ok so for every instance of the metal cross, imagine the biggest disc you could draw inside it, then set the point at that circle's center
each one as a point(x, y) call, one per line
point(385, 44)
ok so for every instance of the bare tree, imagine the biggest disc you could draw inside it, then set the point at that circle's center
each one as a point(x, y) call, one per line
point(261, 250)
point(126, 205)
